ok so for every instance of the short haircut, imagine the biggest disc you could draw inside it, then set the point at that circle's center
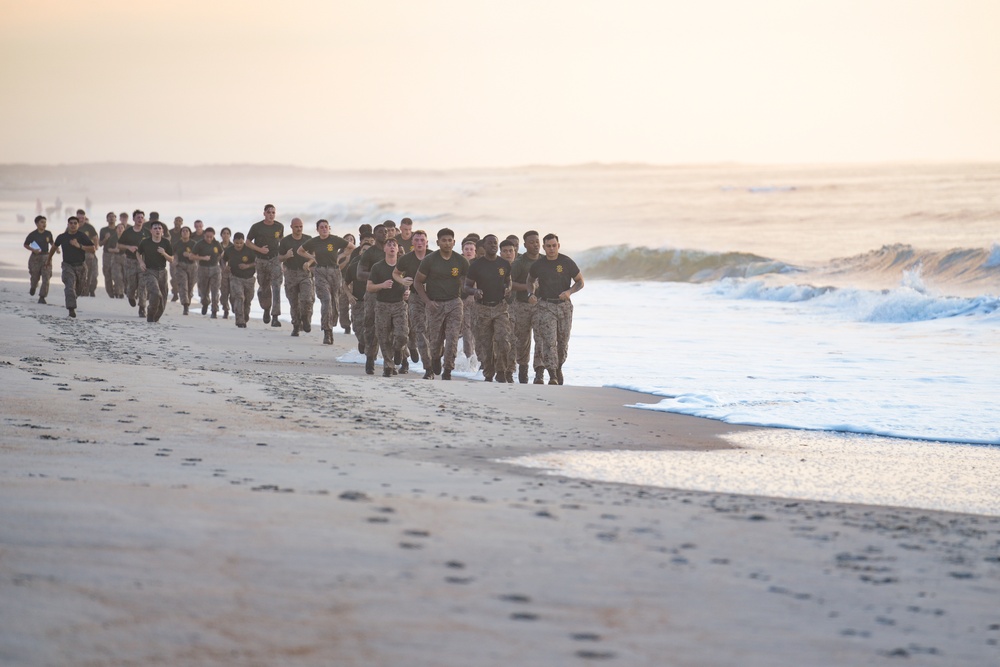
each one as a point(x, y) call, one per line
point(137, 212)
point(365, 229)
point(512, 237)
point(155, 223)
point(185, 228)
point(209, 229)
point(366, 236)
point(405, 221)
point(39, 218)
point(530, 232)
point(392, 240)
point(380, 225)
point(389, 224)
point(73, 218)
point(153, 215)
point(444, 231)
point(549, 237)
point(320, 221)
point(238, 236)
point(80, 211)
point(507, 243)
point(267, 206)
point(224, 230)
point(198, 221)
point(419, 231)
point(472, 235)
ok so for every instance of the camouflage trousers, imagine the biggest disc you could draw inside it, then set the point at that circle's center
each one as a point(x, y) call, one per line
point(186, 275)
point(74, 279)
point(40, 270)
point(493, 339)
point(108, 265)
point(224, 297)
point(358, 319)
point(524, 330)
point(553, 322)
point(90, 261)
point(444, 326)
point(157, 286)
point(299, 291)
point(209, 278)
point(269, 285)
point(469, 326)
point(393, 332)
point(370, 332)
point(418, 329)
point(241, 291)
point(344, 305)
point(328, 290)
point(134, 286)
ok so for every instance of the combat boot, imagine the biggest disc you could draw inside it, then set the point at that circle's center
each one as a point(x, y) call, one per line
point(522, 374)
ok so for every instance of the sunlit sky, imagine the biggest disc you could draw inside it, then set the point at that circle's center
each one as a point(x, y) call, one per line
point(469, 83)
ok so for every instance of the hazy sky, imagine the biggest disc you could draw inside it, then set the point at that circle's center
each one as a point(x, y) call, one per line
point(456, 83)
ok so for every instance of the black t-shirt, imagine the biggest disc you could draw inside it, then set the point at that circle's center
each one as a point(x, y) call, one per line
point(268, 236)
point(370, 257)
point(109, 238)
point(234, 258)
point(296, 261)
point(445, 277)
point(409, 264)
point(325, 250)
point(72, 254)
point(379, 274)
point(132, 237)
point(42, 239)
point(554, 276)
point(181, 247)
point(519, 274)
point(493, 277)
point(89, 230)
point(174, 235)
point(358, 287)
point(149, 249)
point(211, 250)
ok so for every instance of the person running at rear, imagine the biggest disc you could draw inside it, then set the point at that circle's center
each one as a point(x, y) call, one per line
point(324, 250)
point(343, 301)
point(128, 241)
point(554, 279)
point(439, 282)
point(226, 241)
point(208, 252)
point(185, 267)
point(376, 253)
point(75, 246)
point(488, 282)
point(406, 271)
point(38, 244)
point(174, 236)
point(390, 312)
point(299, 288)
point(263, 239)
point(242, 266)
point(468, 303)
point(523, 312)
point(91, 260)
point(405, 236)
point(153, 254)
point(357, 290)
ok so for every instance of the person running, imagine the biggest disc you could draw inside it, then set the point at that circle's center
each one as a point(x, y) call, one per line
point(523, 312)
point(226, 241)
point(153, 254)
point(405, 236)
point(376, 253)
point(468, 303)
point(128, 242)
point(242, 266)
point(439, 283)
point(299, 288)
point(38, 244)
point(324, 251)
point(185, 267)
point(406, 271)
point(108, 241)
point(263, 238)
point(508, 251)
point(390, 313)
point(554, 279)
point(343, 302)
point(208, 252)
point(358, 289)
point(174, 236)
point(488, 282)
point(91, 259)
point(75, 247)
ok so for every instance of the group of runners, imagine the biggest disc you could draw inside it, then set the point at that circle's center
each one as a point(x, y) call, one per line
point(399, 297)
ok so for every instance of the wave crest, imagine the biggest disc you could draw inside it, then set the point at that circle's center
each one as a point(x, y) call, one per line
point(623, 262)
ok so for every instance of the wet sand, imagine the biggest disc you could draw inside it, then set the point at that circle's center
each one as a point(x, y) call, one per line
point(188, 493)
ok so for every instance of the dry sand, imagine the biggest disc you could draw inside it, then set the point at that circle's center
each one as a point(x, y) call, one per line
point(189, 493)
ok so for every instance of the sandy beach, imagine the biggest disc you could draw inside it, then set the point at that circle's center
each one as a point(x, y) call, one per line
point(186, 493)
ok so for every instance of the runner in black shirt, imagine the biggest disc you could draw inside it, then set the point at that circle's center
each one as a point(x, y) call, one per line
point(75, 247)
point(38, 243)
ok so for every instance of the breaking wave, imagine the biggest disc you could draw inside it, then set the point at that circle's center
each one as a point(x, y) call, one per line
point(624, 262)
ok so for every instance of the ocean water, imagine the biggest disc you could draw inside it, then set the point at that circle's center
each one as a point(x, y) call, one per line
point(847, 301)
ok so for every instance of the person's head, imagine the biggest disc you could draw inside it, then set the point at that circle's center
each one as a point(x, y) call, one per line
point(111, 218)
point(391, 249)
point(323, 228)
point(178, 221)
point(185, 233)
point(515, 240)
point(80, 214)
point(226, 235)
point(119, 228)
point(156, 230)
point(446, 240)
point(239, 240)
point(490, 245)
point(405, 229)
point(419, 240)
point(123, 218)
point(72, 224)
point(364, 230)
point(296, 225)
point(532, 242)
point(390, 229)
point(40, 222)
point(508, 250)
point(269, 213)
point(367, 240)
point(480, 248)
point(210, 234)
point(138, 217)
point(469, 248)
point(380, 233)
point(551, 245)
point(199, 227)
point(348, 237)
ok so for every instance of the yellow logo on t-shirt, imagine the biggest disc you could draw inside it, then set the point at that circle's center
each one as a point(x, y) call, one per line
point(502, 272)
point(454, 272)
point(277, 235)
point(215, 251)
point(245, 259)
point(329, 247)
point(559, 268)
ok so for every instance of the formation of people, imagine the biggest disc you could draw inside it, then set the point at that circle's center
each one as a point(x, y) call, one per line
point(400, 298)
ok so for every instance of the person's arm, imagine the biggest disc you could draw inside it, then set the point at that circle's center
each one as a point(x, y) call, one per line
point(574, 288)
point(418, 283)
point(52, 251)
point(470, 288)
point(532, 288)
